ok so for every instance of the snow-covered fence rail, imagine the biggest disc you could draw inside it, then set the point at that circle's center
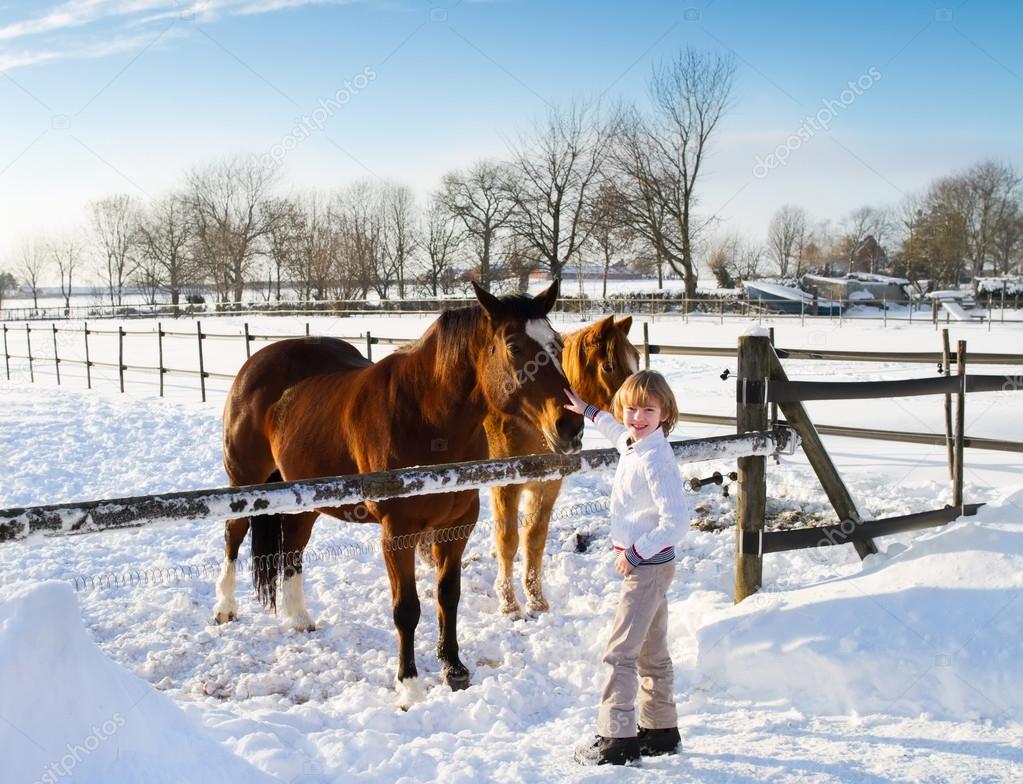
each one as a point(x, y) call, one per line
point(301, 495)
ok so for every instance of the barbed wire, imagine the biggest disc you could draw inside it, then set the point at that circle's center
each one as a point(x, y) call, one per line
point(288, 562)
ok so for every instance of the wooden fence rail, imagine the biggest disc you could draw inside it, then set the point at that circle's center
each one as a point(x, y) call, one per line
point(289, 497)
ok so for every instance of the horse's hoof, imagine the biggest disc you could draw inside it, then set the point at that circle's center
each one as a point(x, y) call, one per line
point(456, 677)
point(222, 617)
point(537, 606)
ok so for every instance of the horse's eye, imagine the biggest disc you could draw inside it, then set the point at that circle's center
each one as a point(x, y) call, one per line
point(608, 367)
point(513, 349)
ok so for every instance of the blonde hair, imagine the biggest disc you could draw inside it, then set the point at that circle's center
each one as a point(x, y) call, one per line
point(638, 388)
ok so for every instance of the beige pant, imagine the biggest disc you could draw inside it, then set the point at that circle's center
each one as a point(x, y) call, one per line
point(639, 643)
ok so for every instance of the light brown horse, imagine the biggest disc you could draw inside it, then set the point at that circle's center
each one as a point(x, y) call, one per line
point(596, 359)
point(316, 407)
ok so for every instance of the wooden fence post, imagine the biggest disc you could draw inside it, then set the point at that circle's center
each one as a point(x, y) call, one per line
point(120, 355)
point(88, 362)
point(159, 353)
point(369, 346)
point(202, 366)
point(248, 339)
point(56, 358)
point(7, 356)
point(819, 459)
point(946, 364)
point(957, 494)
point(646, 345)
point(751, 500)
point(28, 341)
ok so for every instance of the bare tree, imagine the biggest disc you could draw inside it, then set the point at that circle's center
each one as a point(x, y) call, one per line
point(660, 158)
point(400, 232)
point(1007, 240)
point(7, 283)
point(227, 200)
point(480, 198)
point(786, 237)
point(994, 198)
point(734, 259)
point(555, 173)
point(32, 263)
point(66, 254)
point(359, 219)
point(115, 223)
point(314, 268)
point(165, 236)
point(285, 227)
point(441, 240)
point(610, 234)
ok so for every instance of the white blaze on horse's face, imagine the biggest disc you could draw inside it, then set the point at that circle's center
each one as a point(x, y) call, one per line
point(633, 361)
point(543, 333)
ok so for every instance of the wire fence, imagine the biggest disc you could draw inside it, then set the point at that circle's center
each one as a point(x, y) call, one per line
point(674, 303)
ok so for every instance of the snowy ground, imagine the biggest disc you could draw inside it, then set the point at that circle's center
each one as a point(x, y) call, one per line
point(902, 668)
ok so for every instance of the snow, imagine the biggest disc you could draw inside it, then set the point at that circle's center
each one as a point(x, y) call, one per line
point(901, 668)
point(72, 712)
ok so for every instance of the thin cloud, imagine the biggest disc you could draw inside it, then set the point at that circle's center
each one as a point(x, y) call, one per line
point(90, 29)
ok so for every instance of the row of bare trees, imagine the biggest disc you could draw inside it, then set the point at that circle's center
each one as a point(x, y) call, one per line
point(586, 184)
point(967, 224)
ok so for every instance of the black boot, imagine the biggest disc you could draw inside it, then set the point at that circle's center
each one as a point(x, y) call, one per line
point(608, 751)
point(653, 743)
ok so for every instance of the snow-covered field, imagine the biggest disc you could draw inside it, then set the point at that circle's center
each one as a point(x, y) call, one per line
point(905, 667)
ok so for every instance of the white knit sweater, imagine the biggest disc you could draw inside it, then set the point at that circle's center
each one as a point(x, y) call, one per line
point(650, 511)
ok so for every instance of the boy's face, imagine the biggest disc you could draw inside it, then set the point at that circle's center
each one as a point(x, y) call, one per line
point(642, 419)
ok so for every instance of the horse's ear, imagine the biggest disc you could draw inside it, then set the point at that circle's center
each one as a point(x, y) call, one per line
point(549, 295)
point(625, 324)
point(491, 304)
point(600, 330)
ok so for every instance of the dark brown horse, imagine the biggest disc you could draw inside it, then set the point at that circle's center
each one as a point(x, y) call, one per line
point(596, 360)
point(316, 407)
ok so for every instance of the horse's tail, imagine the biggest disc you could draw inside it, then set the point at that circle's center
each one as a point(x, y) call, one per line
point(267, 533)
point(267, 542)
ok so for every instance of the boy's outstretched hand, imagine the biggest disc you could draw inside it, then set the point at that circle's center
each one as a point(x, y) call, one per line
point(576, 404)
point(622, 565)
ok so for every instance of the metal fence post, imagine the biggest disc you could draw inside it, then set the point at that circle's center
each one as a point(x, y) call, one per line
point(7, 356)
point(56, 358)
point(248, 338)
point(120, 355)
point(646, 346)
point(202, 366)
point(88, 362)
point(159, 353)
point(28, 341)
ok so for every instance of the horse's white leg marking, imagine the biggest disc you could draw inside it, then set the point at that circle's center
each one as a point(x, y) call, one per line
point(294, 602)
point(226, 608)
point(409, 692)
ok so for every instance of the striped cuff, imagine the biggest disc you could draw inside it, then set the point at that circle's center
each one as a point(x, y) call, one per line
point(590, 412)
point(634, 558)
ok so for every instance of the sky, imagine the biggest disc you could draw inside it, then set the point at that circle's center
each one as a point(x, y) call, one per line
point(835, 105)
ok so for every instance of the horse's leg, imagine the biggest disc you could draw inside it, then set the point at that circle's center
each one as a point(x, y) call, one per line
point(226, 608)
point(506, 538)
point(400, 559)
point(297, 530)
point(447, 553)
point(540, 498)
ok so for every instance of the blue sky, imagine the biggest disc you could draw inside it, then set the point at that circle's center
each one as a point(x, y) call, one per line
point(99, 97)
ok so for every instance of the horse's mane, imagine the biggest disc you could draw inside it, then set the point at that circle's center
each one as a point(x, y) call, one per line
point(454, 335)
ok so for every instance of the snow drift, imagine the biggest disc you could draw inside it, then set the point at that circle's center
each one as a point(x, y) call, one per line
point(73, 714)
